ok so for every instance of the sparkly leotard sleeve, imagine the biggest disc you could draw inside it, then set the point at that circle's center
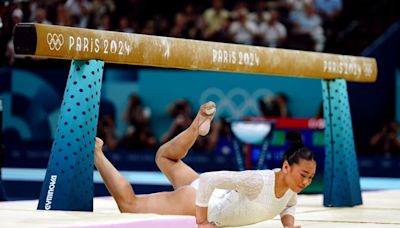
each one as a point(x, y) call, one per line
point(240, 198)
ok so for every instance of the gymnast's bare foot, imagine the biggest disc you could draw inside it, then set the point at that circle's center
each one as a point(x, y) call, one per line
point(202, 122)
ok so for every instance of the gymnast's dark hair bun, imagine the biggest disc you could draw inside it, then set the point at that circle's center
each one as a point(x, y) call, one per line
point(294, 137)
point(296, 150)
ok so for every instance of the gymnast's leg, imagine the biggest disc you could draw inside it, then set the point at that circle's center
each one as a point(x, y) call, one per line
point(175, 202)
point(169, 156)
point(170, 203)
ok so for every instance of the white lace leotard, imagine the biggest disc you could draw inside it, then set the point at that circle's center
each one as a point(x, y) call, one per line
point(241, 198)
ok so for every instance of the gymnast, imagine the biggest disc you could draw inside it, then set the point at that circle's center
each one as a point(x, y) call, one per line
point(222, 198)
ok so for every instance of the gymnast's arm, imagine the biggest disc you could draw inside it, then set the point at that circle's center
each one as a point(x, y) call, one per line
point(288, 221)
point(248, 182)
point(287, 215)
point(201, 218)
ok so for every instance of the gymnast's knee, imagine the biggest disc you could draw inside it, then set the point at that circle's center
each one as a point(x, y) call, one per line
point(127, 206)
point(162, 155)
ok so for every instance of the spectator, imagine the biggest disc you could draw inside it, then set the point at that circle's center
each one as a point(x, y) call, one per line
point(139, 134)
point(242, 30)
point(124, 25)
point(310, 23)
point(161, 25)
point(106, 130)
point(215, 19)
point(193, 22)
point(101, 7)
point(105, 23)
point(272, 31)
point(142, 138)
point(181, 112)
point(17, 16)
point(275, 106)
point(149, 28)
point(136, 115)
point(30, 9)
point(179, 29)
point(41, 17)
point(239, 8)
point(296, 7)
point(260, 15)
point(80, 11)
point(386, 141)
point(63, 16)
point(328, 10)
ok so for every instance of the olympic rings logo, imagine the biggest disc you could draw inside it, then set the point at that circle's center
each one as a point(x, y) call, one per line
point(55, 41)
point(236, 103)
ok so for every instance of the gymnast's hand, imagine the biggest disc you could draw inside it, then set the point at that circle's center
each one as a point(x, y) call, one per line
point(201, 218)
point(293, 226)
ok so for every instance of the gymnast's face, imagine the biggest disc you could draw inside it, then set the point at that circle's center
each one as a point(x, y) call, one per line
point(299, 175)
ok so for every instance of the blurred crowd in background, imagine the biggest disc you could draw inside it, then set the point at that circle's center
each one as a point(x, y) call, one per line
point(335, 26)
point(139, 133)
point(315, 25)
